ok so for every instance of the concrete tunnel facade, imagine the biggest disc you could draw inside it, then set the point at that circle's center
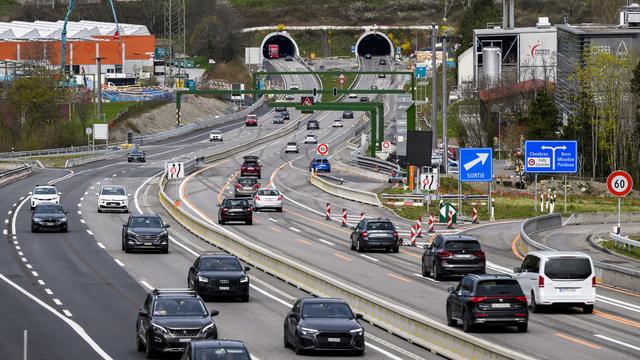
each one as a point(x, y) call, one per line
point(375, 43)
point(287, 45)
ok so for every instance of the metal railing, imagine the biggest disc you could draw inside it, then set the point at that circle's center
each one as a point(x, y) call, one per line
point(415, 197)
point(106, 155)
point(376, 164)
point(54, 151)
point(625, 243)
point(14, 174)
point(365, 197)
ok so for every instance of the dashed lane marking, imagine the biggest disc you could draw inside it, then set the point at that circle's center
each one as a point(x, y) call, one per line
point(579, 341)
point(48, 291)
point(369, 257)
point(425, 278)
point(89, 232)
point(67, 312)
point(326, 242)
point(397, 277)
point(58, 302)
point(101, 245)
point(119, 262)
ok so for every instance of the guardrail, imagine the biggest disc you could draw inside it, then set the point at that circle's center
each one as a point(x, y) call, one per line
point(15, 174)
point(418, 329)
point(373, 163)
point(365, 197)
point(54, 151)
point(433, 197)
point(108, 155)
point(629, 244)
point(609, 274)
point(602, 218)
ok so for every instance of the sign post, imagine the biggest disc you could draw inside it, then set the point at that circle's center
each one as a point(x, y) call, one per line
point(476, 165)
point(549, 157)
point(619, 184)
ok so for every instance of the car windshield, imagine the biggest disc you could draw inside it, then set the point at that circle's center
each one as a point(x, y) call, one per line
point(269, 192)
point(236, 203)
point(221, 353)
point(380, 225)
point(498, 287)
point(462, 245)
point(179, 307)
point(49, 209)
point(220, 264)
point(567, 268)
point(45, 191)
point(146, 221)
point(250, 163)
point(327, 310)
point(291, 144)
point(321, 161)
point(215, 132)
point(111, 190)
point(247, 181)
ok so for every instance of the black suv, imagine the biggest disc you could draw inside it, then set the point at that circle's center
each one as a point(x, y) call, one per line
point(313, 125)
point(136, 155)
point(453, 254)
point(49, 217)
point(487, 299)
point(235, 210)
point(323, 324)
point(216, 349)
point(375, 233)
point(169, 319)
point(145, 232)
point(285, 115)
point(219, 274)
point(348, 114)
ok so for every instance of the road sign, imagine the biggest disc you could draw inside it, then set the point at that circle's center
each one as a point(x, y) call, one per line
point(353, 49)
point(429, 181)
point(476, 164)
point(447, 209)
point(174, 170)
point(322, 149)
point(100, 131)
point(386, 145)
point(306, 101)
point(88, 130)
point(341, 79)
point(398, 50)
point(619, 183)
point(550, 156)
point(421, 71)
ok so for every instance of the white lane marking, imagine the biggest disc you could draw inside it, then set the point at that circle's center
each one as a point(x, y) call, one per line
point(10, 211)
point(77, 328)
point(86, 193)
point(58, 302)
point(14, 204)
point(273, 297)
point(29, 266)
point(616, 304)
point(617, 342)
point(48, 291)
point(89, 232)
point(119, 262)
point(82, 221)
point(17, 247)
point(369, 257)
point(135, 195)
point(294, 229)
point(382, 351)
point(24, 259)
point(79, 212)
point(34, 273)
point(82, 198)
point(5, 232)
point(6, 221)
point(20, 253)
point(92, 188)
point(101, 245)
point(620, 303)
point(274, 220)
point(22, 197)
point(67, 312)
point(425, 278)
point(41, 282)
point(79, 205)
point(326, 242)
point(98, 183)
point(146, 284)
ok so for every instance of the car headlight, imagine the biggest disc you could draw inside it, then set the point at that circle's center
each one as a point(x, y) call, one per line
point(244, 279)
point(64, 219)
point(131, 234)
point(356, 331)
point(307, 331)
point(159, 328)
point(37, 219)
point(208, 327)
point(203, 279)
point(164, 233)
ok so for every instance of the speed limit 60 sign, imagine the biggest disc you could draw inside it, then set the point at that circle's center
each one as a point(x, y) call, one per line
point(322, 149)
point(619, 183)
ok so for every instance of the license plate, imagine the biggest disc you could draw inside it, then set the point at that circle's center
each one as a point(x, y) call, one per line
point(335, 340)
point(463, 256)
point(566, 290)
point(235, 210)
point(147, 244)
point(184, 340)
point(500, 305)
point(223, 288)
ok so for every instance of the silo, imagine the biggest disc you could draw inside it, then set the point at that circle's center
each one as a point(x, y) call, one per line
point(492, 65)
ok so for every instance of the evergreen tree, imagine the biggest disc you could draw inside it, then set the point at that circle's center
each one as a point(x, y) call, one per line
point(542, 122)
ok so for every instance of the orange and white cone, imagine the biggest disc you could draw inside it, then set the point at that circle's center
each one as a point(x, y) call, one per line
point(327, 212)
point(419, 227)
point(432, 224)
point(474, 216)
point(344, 217)
point(450, 221)
point(412, 239)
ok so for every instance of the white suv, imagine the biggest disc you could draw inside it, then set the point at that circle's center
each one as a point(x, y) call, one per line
point(215, 135)
point(44, 194)
point(113, 198)
point(558, 277)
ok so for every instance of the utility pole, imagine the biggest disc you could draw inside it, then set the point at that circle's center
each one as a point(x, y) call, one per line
point(445, 98)
point(434, 87)
point(98, 85)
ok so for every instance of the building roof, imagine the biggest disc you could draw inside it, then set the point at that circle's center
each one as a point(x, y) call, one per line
point(520, 30)
point(75, 29)
point(597, 29)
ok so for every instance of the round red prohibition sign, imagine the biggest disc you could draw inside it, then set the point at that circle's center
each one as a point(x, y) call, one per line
point(532, 162)
point(619, 183)
point(386, 144)
point(173, 170)
point(322, 149)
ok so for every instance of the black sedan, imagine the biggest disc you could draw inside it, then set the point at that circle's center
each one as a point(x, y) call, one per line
point(145, 232)
point(219, 275)
point(235, 210)
point(323, 324)
point(216, 349)
point(285, 115)
point(348, 114)
point(136, 155)
point(364, 99)
point(48, 217)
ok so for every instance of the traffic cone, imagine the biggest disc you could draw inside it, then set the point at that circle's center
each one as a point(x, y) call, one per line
point(344, 217)
point(474, 215)
point(412, 239)
point(449, 221)
point(432, 224)
point(419, 227)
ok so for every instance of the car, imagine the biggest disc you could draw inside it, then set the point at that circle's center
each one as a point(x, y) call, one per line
point(278, 119)
point(353, 96)
point(318, 323)
point(313, 125)
point(481, 299)
point(246, 186)
point(453, 255)
point(234, 209)
point(136, 155)
point(367, 56)
point(113, 198)
point(219, 275)
point(376, 233)
point(280, 108)
point(251, 120)
point(268, 198)
point(294, 86)
point(215, 135)
point(348, 114)
point(382, 62)
point(364, 98)
point(145, 232)
point(169, 319)
point(382, 76)
point(46, 216)
point(373, 87)
point(288, 58)
point(292, 146)
point(565, 278)
point(319, 164)
point(285, 115)
point(310, 139)
point(44, 194)
point(251, 167)
point(216, 349)
point(289, 97)
point(337, 123)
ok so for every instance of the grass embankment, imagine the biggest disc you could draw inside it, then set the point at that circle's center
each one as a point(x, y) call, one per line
point(329, 81)
point(632, 253)
point(234, 71)
point(56, 161)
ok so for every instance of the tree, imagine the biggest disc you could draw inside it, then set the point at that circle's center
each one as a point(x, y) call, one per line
point(476, 17)
point(542, 121)
point(217, 35)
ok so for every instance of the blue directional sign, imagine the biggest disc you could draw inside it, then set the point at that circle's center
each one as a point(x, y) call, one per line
point(550, 156)
point(398, 50)
point(353, 49)
point(476, 164)
point(421, 71)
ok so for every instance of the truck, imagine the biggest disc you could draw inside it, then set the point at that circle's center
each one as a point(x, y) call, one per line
point(274, 51)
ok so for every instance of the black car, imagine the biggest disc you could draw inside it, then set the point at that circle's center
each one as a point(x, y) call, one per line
point(216, 349)
point(487, 300)
point(280, 108)
point(136, 155)
point(382, 62)
point(367, 56)
point(453, 254)
point(323, 324)
point(235, 210)
point(285, 115)
point(375, 234)
point(170, 319)
point(49, 217)
point(347, 114)
point(364, 99)
point(145, 232)
point(219, 274)
point(313, 125)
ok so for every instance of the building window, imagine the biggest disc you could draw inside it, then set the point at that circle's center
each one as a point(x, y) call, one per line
point(119, 69)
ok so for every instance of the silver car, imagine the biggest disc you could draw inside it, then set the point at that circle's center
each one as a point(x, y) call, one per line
point(246, 186)
point(267, 198)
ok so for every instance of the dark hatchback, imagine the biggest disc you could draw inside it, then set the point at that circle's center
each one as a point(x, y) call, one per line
point(347, 114)
point(487, 300)
point(219, 275)
point(235, 210)
point(49, 217)
point(285, 115)
point(323, 324)
point(216, 350)
point(145, 232)
point(136, 155)
point(313, 125)
point(375, 234)
point(453, 255)
point(169, 319)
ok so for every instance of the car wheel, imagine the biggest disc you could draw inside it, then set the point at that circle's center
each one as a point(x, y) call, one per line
point(353, 247)
point(65, 229)
point(220, 221)
point(128, 160)
point(279, 209)
point(287, 345)
point(435, 274)
point(126, 248)
point(166, 250)
point(249, 222)
point(150, 352)
point(34, 229)
point(395, 249)
point(466, 321)
point(533, 307)
point(99, 210)
point(123, 247)
point(523, 327)
point(424, 270)
point(359, 246)
point(587, 309)
point(358, 352)
point(299, 350)
point(245, 297)
point(450, 320)
point(140, 345)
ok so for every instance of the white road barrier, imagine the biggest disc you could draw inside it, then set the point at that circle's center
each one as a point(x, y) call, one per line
point(365, 197)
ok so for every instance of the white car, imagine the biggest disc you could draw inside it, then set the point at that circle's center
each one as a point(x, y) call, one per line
point(558, 277)
point(353, 96)
point(292, 146)
point(289, 97)
point(310, 139)
point(113, 198)
point(337, 123)
point(44, 194)
point(294, 86)
point(267, 198)
point(215, 135)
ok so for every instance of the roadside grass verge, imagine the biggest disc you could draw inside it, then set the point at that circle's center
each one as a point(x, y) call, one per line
point(330, 81)
point(632, 253)
point(56, 161)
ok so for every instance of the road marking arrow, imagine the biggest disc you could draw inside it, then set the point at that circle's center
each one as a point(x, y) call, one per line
point(482, 157)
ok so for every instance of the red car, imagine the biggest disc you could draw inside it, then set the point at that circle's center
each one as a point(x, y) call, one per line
point(251, 167)
point(251, 120)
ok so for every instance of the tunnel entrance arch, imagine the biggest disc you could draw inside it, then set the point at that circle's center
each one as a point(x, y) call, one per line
point(286, 44)
point(374, 43)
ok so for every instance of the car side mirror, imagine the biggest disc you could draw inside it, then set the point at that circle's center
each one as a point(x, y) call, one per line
point(214, 313)
point(516, 270)
point(97, 194)
point(166, 226)
point(246, 268)
point(125, 226)
point(143, 312)
point(128, 195)
point(359, 317)
point(66, 211)
point(451, 289)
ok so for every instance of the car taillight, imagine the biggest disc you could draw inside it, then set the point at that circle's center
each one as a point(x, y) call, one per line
point(593, 281)
point(445, 254)
point(280, 197)
point(479, 254)
point(541, 281)
point(521, 298)
point(257, 197)
point(395, 234)
point(478, 299)
point(364, 234)
point(238, 186)
point(257, 186)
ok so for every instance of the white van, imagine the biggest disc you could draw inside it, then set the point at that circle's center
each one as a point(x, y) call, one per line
point(558, 277)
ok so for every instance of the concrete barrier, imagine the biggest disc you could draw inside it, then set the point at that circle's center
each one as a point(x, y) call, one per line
point(602, 218)
point(365, 197)
point(15, 174)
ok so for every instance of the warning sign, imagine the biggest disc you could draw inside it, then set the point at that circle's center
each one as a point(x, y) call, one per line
point(306, 101)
